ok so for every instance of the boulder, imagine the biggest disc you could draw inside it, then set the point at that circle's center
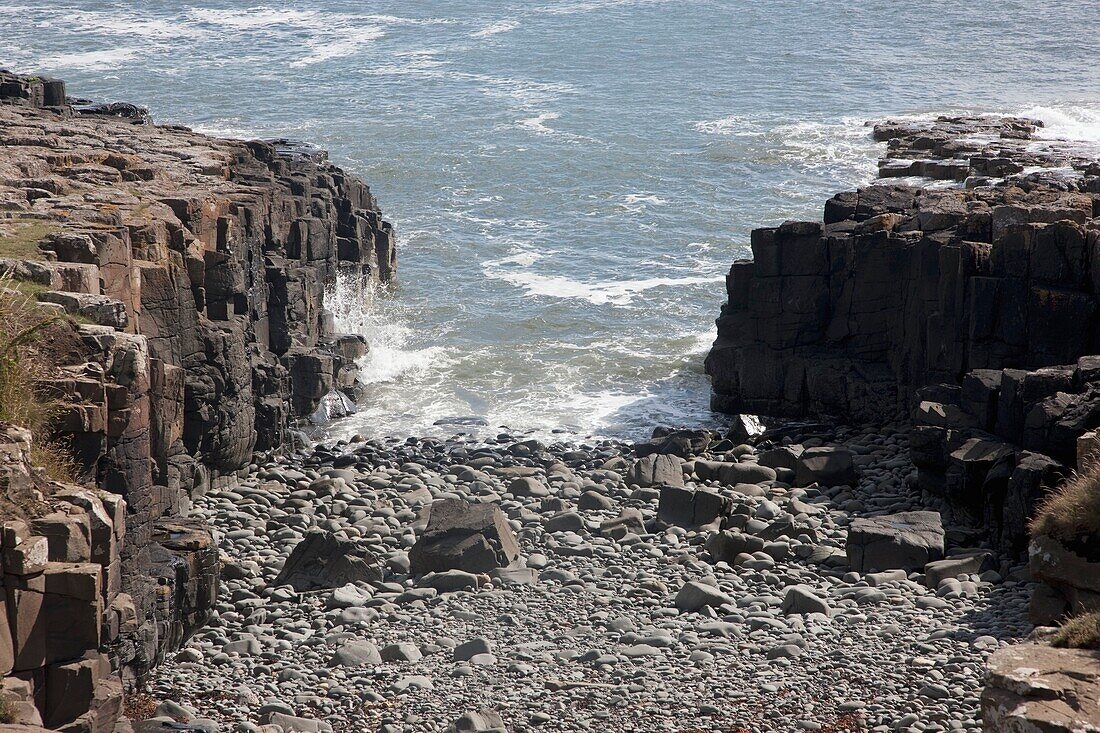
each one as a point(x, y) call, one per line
point(686, 508)
point(745, 428)
point(801, 599)
point(657, 469)
point(694, 595)
point(907, 540)
point(482, 721)
point(731, 474)
point(727, 545)
point(355, 654)
point(827, 466)
point(629, 521)
point(463, 536)
point(973, 563)
point(323, 560)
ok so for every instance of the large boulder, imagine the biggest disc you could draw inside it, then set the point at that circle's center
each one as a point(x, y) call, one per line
point(693, 595)
point(827, 466)
point(687, 508)
point(463, 536)
point(731, 474)
point(323, 560)
point(656, 469)
point(907, 541)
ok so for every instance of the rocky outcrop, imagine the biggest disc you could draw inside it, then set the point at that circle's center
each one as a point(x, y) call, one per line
point(901, 286)
point(196, 269)
point(971, 310)
point(1035, 687)
point(67, 616)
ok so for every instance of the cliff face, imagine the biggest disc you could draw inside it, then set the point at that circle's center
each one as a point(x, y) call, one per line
point(904, 286)
point(971, 311)
point(198, 269)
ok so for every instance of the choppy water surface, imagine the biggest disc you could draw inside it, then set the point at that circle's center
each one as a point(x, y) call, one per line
point(570, 179)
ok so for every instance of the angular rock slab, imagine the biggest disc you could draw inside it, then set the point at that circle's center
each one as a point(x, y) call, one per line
point(656, 469)
point(463, 536)
point(323, 560)
point(906, 540)
point(686, 508)
point(1033, 687)
point(826, 466)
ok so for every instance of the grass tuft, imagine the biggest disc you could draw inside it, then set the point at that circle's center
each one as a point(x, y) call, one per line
point(19, 239)
point(1080, 632)
point(32, 342)
point(1071, 513)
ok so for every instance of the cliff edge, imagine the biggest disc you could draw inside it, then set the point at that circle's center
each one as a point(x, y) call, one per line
point(193, 271)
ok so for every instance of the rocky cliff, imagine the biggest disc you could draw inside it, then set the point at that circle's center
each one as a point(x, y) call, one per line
point(963, 300)
point(196, 269)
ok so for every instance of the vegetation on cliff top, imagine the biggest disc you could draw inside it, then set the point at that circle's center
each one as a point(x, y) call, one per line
point(1080, 632)
point(1072, 511)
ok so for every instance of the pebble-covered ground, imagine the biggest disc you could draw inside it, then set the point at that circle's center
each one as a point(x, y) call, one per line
point(597, 641)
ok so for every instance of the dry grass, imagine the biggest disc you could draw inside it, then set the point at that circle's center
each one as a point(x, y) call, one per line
point(19, 240)
point(1072, 511)
point(33, 341)
point(1080, 632)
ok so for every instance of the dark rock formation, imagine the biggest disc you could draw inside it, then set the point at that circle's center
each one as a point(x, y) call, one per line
point(972, 310)
point(902, 286)
point(197, 268)
point(464, 536)
point(323, 560)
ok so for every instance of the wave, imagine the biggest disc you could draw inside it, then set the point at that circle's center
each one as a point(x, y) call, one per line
point(347, 43)
point(606, 293)
point(91, 60)
point(538, 124)
point(501, 26)
point(358, 306)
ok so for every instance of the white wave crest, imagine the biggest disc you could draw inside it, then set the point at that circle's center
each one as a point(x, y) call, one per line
point(91, 60)
point(501, 26)
point(538, 124)
point(358, 307)
point(605, 293)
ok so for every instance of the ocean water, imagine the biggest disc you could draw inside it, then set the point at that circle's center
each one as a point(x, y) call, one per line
point(569, 179)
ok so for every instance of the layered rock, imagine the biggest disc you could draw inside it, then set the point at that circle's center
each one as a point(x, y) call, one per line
point(971, 309)
point(901, 286)
point(197, 270)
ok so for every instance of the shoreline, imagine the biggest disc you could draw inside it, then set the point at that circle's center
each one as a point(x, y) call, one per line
point(685, 582)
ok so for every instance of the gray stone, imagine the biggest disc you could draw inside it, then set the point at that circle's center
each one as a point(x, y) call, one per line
point(907, 540)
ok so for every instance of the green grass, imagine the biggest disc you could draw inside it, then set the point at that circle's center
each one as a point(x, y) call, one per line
point(20, 239)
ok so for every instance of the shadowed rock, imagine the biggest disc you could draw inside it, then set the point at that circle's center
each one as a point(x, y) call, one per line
point(463, 536)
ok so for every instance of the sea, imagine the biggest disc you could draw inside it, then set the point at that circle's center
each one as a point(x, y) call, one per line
point(569, 180)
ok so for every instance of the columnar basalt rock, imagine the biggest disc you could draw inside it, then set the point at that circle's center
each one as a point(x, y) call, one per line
point(901, 286)
point(196, 269)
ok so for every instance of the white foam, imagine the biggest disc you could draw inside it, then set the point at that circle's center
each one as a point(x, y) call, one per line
point(731, 125)
point(635, 203)
point(538, 124)
point(344, 43)
point(501, 26)
point(358, 307)
point(606, 293)
point(91, 60)
point(260, 16)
